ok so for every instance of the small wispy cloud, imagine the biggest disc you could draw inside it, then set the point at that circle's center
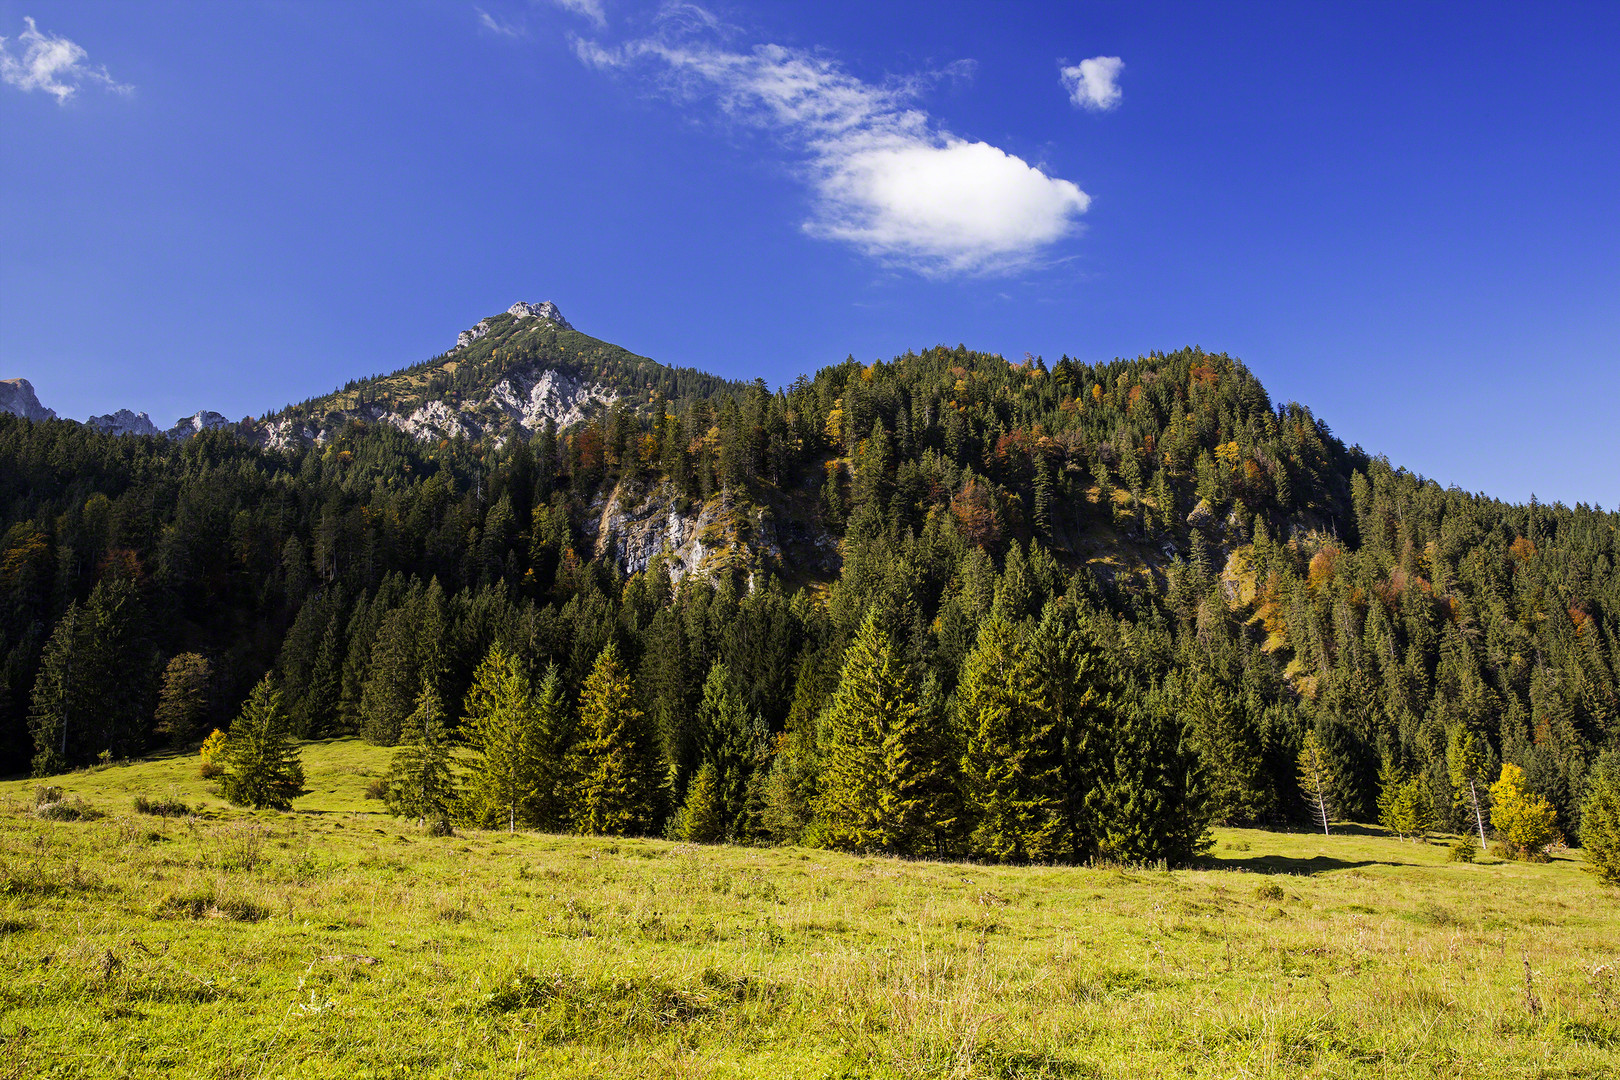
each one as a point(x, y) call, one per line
point(884, 176)
point(495, 26)
point(1094, 84)
point(52, 64)
point(585, 9)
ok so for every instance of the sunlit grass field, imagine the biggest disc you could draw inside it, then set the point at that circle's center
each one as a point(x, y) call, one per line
point(337, 941)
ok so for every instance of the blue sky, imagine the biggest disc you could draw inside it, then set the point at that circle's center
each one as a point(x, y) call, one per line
point(1402, 215)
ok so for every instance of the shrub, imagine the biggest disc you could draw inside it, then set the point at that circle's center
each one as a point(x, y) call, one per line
point(1527, 823)
point(1463, 849)
point(66, 809)
point(378, 788)
point(1269, 891)
point(212, 747)
point(168, 806)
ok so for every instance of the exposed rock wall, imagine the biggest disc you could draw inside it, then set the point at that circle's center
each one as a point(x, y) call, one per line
point(17, 396)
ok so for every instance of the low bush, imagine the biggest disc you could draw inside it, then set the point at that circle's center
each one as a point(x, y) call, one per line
point(1464, 849)
point(168, 806)
point(50, 804)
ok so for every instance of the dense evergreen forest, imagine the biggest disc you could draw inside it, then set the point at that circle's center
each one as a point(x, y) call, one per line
point(1077, 610)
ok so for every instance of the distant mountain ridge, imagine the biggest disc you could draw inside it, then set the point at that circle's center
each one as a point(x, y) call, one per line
point(511, 373)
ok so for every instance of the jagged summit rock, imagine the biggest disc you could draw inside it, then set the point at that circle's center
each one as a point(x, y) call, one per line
point(544, 310)
point(17, 397)
point(198, 422)
point(124, 422)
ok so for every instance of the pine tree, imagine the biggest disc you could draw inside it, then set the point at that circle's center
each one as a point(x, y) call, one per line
point(1012, 767)
point(1228, 750)
point(501, 728)
point(727, 740)
point(1316, 779)
point(1147, 805)
point(1600, 819)
point(701, 819)
point(1465, 760)
point(617, 762)
point(419, 782)
point(262, 765)
point(183, 699)
point(884, 783)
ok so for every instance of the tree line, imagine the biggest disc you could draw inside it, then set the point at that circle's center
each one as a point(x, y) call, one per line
point(1244, 584)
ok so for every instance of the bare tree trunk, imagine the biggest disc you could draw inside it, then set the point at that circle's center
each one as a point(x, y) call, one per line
point(1479, 818)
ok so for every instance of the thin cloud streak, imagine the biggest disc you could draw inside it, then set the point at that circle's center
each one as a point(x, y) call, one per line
point(885, 177)
point(55, 65)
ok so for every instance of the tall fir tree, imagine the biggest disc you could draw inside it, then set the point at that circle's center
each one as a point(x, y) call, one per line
point(262, 766)
point(501, 728)
point(885, 783)
point(1013, 765)
point(618, 766)
point(420, 783)
point(1228, 748)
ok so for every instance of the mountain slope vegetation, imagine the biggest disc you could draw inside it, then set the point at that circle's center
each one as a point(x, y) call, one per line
point(1175, 578)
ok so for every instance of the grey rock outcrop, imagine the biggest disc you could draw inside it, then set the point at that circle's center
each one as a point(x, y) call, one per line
point(634, 526)
point(17, 397)
point(544, 310)
point(196, 423)
point(124, 422)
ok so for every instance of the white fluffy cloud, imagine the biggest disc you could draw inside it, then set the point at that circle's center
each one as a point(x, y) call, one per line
point(885, 177)
point(1094, 84)
point(52, 64)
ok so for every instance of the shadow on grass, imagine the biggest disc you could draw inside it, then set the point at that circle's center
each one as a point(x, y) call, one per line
point(1284, 864)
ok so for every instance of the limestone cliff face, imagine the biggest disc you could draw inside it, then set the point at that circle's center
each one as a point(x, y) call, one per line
point(632, 527)
point(206, 420)
point(124, 422)
point(17, 397)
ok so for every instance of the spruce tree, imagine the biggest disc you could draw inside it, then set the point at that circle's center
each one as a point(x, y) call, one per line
point(1600, 819)
point(1147, 805)
point(262, 766)
point(1012, 771)
point(1316, 779)
point(183, 698)
point(1228, 749)
point(727, 740)
point(501, 728)
point(701, 818)
point(884, 784)
point(554, 732)
point(419, 782)
point(617, 763)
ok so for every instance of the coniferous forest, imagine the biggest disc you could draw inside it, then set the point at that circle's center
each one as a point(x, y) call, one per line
point(1066, 611)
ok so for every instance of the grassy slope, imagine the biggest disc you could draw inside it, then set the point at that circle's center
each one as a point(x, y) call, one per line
point(338, 942)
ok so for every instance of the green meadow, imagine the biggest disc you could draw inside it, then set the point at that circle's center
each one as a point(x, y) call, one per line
point(338, 941)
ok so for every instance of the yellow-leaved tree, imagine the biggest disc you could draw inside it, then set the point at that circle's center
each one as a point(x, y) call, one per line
point(1525, 821)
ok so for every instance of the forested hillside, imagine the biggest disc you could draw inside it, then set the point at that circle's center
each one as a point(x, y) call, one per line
point(1065, 611)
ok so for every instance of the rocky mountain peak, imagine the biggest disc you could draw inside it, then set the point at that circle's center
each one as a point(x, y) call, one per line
point(124, 422)
point(17, 396)
point(545, 309)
